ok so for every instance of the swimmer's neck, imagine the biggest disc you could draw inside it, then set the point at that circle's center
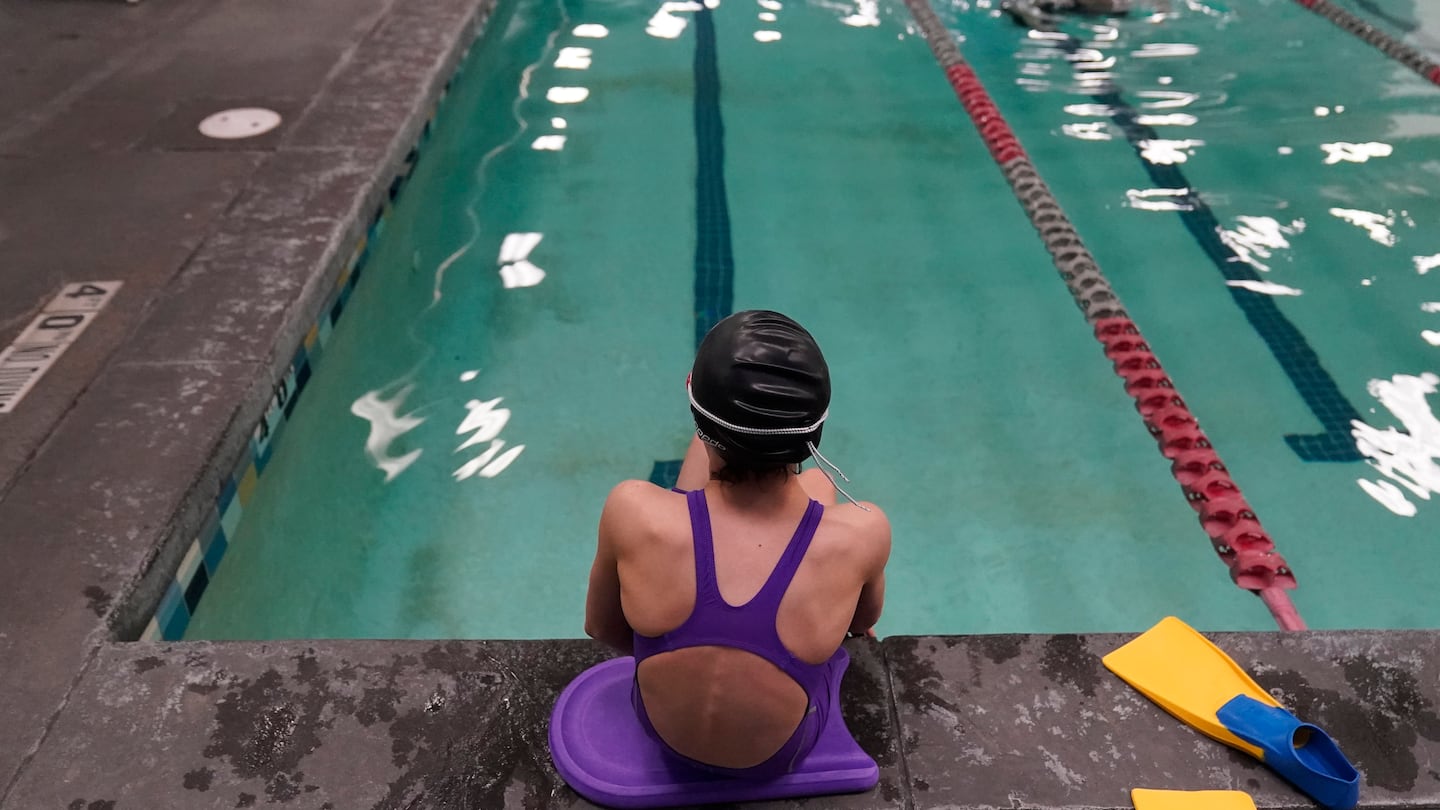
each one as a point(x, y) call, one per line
point(762, 495)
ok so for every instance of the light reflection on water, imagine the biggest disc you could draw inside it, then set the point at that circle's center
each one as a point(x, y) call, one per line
point(1354, 152)
point(1166, 99)
point(486, 419)
point(1263, 287)
point(1160, 199)
point(1256, 238)
point(665, 24)
point(1087, 132)
point(567, 95)
point(1345, 132)
point(387, 425)
point(1409, 459)
point(1376, 225)
point(867, 13)
point(483, 418)
point(1163, 50)
point(573, 59)
point(516, 269)
point(1171, 120)
point(1169, 152)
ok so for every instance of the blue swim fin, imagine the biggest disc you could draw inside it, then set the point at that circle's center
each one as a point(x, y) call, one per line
point(1300, 752)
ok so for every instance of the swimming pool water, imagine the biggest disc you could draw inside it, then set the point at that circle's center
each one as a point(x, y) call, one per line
point(443, 473)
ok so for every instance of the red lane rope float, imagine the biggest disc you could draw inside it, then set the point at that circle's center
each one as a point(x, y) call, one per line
point(1002, 143)
point(1224, 514)
point(1386, 44)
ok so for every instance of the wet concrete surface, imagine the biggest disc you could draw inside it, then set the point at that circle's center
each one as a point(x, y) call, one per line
point(355, 724)
point(225, 249)
point(1038, 722)
point(973, 722)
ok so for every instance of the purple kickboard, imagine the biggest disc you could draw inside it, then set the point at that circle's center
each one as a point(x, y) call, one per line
point(602, 751)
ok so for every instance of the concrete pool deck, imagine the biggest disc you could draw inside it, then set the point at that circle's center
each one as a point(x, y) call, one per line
point(226, 251)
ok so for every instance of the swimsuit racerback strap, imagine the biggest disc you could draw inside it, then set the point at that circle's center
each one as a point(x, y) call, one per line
point(770, 594)
point(713, 621)
point(706, 586)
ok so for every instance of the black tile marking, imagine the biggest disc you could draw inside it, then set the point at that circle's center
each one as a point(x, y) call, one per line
point(714, 263)
point(196, 589)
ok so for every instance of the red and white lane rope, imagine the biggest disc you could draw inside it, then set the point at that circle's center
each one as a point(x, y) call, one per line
point(1226, 517)
point(1386, 44)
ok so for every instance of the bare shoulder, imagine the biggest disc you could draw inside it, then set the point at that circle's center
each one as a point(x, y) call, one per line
point(865, 529)
point(633, 508)
point(862, 516)
point(634, 492)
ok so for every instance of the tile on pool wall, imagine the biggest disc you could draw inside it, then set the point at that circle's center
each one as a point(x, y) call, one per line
point(190, 563)
point(230, 516)
point(213, 546)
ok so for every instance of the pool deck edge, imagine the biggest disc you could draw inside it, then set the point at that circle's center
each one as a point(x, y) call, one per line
point(141, 421)
point(983, 722)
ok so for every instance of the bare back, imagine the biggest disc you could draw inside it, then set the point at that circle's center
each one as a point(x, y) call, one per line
point(721, 705)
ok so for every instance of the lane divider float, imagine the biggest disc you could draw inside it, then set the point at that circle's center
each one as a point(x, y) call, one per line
point(1226, 517)
point(1381, 41)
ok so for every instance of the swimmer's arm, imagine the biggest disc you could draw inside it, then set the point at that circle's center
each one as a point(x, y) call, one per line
point(604, 618)
point(867, 610)
point(872, 594)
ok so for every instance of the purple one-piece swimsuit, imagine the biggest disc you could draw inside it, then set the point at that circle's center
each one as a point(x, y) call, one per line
point(749, 627)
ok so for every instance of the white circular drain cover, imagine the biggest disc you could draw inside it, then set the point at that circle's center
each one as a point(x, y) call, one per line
point(244, 122)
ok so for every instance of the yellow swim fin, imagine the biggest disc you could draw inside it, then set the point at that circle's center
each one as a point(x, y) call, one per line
point(1191, 800)
point(1197, 682)
point(1188, 676)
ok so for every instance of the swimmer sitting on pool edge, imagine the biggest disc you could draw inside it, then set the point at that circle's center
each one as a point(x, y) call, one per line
point(735, 591)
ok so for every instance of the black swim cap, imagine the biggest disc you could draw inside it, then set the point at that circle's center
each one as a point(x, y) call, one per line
point(760, 389)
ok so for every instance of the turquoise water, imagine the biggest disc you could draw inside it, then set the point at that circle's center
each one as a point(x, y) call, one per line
point(970, 399)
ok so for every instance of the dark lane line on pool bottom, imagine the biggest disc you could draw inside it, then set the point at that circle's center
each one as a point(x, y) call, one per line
point(714, 263)
point(714, 260)
point(1285, 341)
